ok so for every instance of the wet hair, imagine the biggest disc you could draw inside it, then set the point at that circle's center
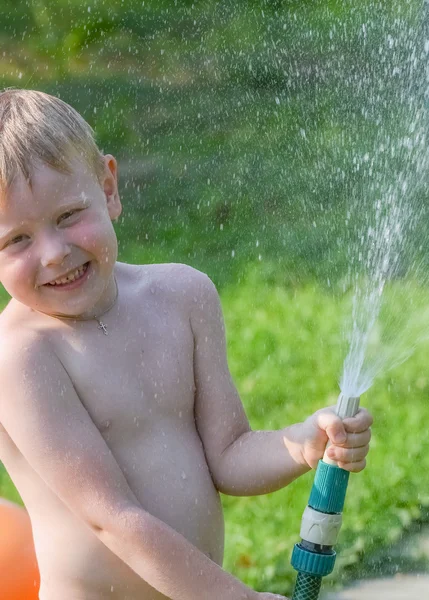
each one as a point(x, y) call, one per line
point(38, 128)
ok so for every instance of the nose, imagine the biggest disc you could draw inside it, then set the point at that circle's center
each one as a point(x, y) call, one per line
point(53, 250)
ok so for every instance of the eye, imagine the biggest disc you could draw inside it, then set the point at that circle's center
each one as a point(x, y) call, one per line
point(68, 214)
point(15, 240)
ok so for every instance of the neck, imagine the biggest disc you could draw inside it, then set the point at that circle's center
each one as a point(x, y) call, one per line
point(99, 310)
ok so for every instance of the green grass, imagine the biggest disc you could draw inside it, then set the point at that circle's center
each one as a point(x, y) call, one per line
point(285, 352)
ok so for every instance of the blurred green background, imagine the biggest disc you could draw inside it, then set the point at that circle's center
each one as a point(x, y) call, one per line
point(240, 129)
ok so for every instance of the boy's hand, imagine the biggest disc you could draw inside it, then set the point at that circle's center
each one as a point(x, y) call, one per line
point(267, 596)
point(349, 438)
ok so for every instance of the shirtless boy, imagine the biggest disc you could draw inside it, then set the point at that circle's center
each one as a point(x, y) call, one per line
point(120, 424)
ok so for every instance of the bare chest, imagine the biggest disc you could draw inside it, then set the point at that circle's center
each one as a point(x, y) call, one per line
point(139, 374)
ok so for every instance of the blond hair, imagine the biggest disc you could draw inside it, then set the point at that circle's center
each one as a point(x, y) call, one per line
point(38, 128)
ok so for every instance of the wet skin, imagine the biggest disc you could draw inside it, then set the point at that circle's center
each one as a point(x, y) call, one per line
point(137, 384)
point(143, 406)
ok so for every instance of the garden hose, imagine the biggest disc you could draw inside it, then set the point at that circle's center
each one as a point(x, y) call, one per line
point(314, 557)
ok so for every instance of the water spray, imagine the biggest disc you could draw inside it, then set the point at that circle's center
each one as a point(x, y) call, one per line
point(314, 557)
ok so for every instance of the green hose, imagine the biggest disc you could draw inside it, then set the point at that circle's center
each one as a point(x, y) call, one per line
point(314, 557)
point(307, 587)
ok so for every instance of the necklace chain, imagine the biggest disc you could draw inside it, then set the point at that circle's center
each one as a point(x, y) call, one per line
point(101, 325)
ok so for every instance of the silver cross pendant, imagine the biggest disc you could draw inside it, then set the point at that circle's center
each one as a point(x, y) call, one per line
point(102, 326)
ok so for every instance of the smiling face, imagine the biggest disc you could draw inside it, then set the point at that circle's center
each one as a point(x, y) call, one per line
point(58, 247)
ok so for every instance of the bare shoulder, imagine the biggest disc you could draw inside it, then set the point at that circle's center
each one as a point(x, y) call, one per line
point(175, 282)
point(178, 277)
point(22, 347)
point(9, 319)
point(18, 323)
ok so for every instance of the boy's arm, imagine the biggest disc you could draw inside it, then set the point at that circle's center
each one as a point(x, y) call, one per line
point(45, 418)
point(245, 462)
point(242, 461)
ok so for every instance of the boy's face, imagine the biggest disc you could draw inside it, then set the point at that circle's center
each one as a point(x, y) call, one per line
point(60, 224)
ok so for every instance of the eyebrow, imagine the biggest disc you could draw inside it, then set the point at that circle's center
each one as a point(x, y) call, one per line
point(6, 233)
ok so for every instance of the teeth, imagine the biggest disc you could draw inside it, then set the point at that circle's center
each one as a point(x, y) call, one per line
point(74, 275)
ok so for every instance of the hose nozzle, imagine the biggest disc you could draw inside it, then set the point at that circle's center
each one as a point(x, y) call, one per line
point(347, 406)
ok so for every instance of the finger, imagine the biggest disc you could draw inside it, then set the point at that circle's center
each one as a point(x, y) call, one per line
point(360, 422)
point(347, 455)
point(355, 467)
point(356, 440)
point(328, 421)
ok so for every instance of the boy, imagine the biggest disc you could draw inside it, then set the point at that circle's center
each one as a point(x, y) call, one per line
point(120, 424)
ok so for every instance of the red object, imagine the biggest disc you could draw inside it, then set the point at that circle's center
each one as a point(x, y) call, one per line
point(19, 573)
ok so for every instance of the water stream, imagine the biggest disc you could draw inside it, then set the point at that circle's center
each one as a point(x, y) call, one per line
point(388, 209)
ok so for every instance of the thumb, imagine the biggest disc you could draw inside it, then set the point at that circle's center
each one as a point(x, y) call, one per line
point(331, 423)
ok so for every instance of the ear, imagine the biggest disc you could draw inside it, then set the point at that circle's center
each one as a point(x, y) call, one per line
point(110, 187)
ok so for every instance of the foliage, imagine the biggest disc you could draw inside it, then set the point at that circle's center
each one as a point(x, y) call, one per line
point(236, 123)
point(286, 352)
